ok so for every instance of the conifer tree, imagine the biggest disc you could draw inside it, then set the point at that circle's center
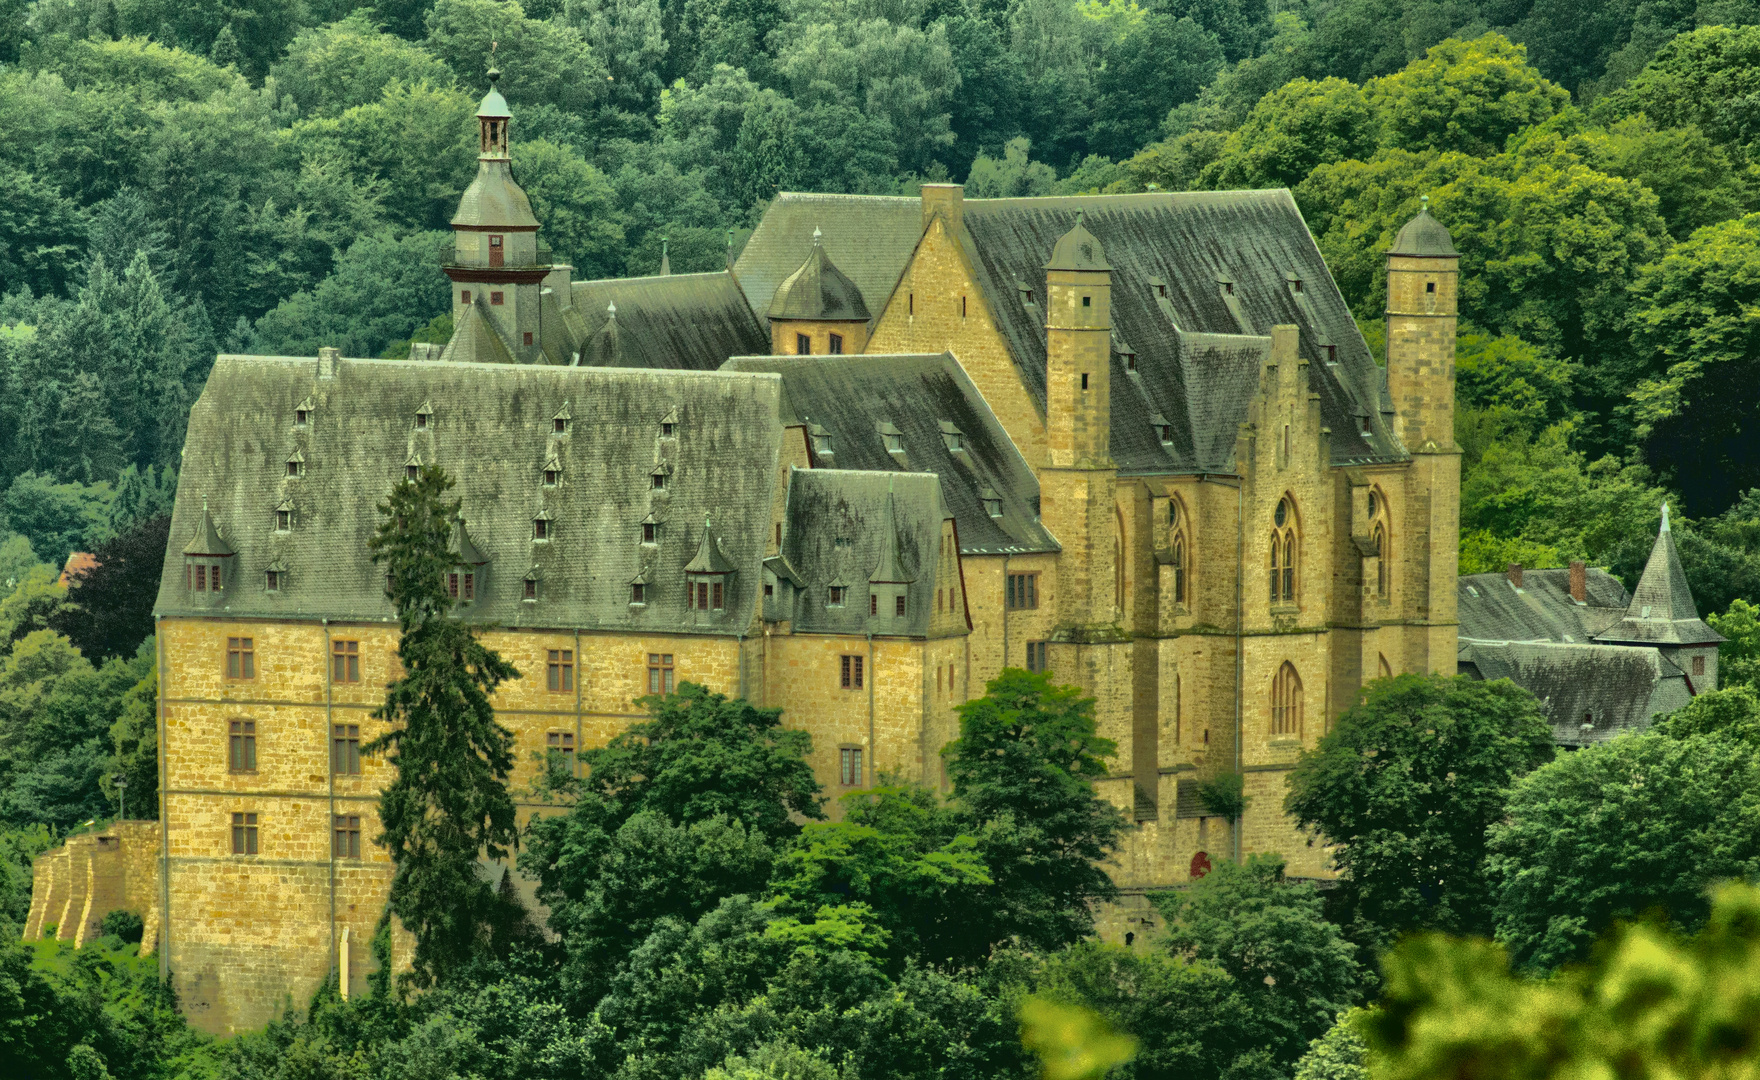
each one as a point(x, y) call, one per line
point(448, 804)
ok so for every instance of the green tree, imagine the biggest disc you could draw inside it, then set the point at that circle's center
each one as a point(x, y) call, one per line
point(1738, 658)
point(1706, 79)
point(57, 518)
point(1015, 176)
point(1340, 1054)
point(1467, 96)
point(330, 69)
point(448, 804)
point(134, 743)
point(109, 608)
point(1645, 823)
point(540, 59)
point(1691, 374)
point(1293, 970)
point(1404, 787)
point(576, 204)
point(1023, 769)
point(383, 289)
point(1647, 1003)
point(1292, 131)
point(41, 232)
point(1161, 64)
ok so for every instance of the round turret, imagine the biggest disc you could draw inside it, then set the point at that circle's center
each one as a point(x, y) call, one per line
point(818, 291)
point(1424, 236)
point(1078, 250)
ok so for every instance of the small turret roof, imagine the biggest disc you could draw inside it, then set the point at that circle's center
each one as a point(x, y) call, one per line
point(709, 558)
point(494, 201)
point(465, 549)
point(890, 572)
point(818, 290)
point(207, 540)
point(1662, 611)
point(1078, 250)
point(493, 106)
point(1423, 235)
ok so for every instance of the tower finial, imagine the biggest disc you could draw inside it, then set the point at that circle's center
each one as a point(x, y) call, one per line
point(1424, 201)
point(611, 309)
point(1665, 515)
point(818, 237)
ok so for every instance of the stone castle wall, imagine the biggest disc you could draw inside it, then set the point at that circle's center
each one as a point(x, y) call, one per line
point(80, 882)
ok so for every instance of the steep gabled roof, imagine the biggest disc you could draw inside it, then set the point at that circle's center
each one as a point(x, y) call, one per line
point(1662, 611)
point(1490, 608)
point(1228, 263)
point(692, 322)
point(495, 434)
point(476, 339)
point(869, 237)
point(848, 397)
point(838, 525)
point(1590, 693)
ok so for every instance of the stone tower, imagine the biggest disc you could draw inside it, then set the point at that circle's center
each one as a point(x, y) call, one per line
point(497, 268)
point(1423, 292)
point(1078, 500)
point(818, 309)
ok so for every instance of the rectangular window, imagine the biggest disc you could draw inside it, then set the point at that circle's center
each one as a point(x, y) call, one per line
point(201, 572)
point(550, 477)
point(452, 585)
point(898, 606)
point(1036, 656)
point(650, 531)
point(1698, 665)
point(659, 673)
point(497, 256)
point(715, 596)
point(214, 578)
point(836, 348)
point(1084, 380)
point(561, 744)
point(528, 337)
point(347, 844)
point(241, 658)
point(470, 586)
point(283, 520)
point(849, 766)
point(769, 590)
point(803, 345)
point(1022, 592)
point(531, 592)
point(835, 597)
point(495, 298)
point(345, 749)
point(244, 834)
point(702, 595)
point(540, 529)
point(293, 468)
point(464, 296)
point(243, 750)
point(272, 580)
point(638, 593)
point(851, 671)
point(873, 604)
point(345, 661)
point(559, 671)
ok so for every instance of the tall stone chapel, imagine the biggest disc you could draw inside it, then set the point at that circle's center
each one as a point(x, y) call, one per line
point(1136, 441)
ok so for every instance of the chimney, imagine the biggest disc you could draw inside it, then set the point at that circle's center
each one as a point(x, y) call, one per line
point(1579, 581)
point(948, 200)
point(1515, 574)
point(327, 358)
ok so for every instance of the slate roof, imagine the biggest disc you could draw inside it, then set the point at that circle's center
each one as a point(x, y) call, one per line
point(1613, 689)
point(492, 429)
point(838, 526)
point(494, 200)
point(1662, 611)
point(869, 237)
point(1423, 235)
point(688, 321)
point(477, 338)
point(848, 397)
point(1492, 609)
point(1197, 347)
point(818, 290)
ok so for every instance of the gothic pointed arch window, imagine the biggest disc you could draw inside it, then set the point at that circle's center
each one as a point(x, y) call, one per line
point(1179, 568)
point(1286, 701)
point(1118, 583)
point(1380, 533)
point(1284, 551)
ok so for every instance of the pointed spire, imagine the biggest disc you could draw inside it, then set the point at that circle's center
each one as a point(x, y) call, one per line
point(665, 259)
point(1662, 611)
point(465, 549)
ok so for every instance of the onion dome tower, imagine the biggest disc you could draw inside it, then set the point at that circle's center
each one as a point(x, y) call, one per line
point(818, 309)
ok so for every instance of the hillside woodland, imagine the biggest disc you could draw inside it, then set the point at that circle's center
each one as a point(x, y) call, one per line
point(276, 175)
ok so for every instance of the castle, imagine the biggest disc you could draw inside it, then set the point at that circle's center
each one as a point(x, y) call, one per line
point(1136, 441)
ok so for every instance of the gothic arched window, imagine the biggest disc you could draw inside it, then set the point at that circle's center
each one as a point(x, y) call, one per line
point(1286, 701)
point(1283, 553)
point(1379, 533)
point(1179, 569)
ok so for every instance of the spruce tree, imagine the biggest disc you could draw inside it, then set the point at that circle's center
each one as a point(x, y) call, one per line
point(448, 804)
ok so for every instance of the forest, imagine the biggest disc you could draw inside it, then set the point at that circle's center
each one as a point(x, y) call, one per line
point(272, 176)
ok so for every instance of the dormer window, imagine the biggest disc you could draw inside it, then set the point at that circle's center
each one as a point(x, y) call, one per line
point(834, 595)
point(1158, 288)
point(552, 473)
point(296, 465)
point(662, 476)
point(412, 468)
point(425, 417)
point(1026, 292)
point(666, 431)
point(820, 440)
point(531, 592)
point(283, 518)
point(1228, 288)
point(302, 413)
point(650, 532)
point(992, 502)
point(421, 421)
point(1163, 429)
point(273, 580)
point(953, 437)
point(891, 437)
point(669, 425)
point(541, 529)
point(1331, 352)
point(1295, 285)
point(638, 593)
